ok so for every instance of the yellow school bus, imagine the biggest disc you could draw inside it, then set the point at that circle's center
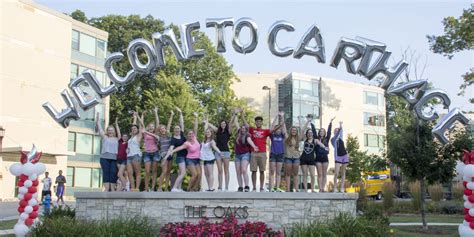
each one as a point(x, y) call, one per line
point(373, 183)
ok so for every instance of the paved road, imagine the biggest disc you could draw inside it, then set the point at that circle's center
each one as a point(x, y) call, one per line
point(8, 210)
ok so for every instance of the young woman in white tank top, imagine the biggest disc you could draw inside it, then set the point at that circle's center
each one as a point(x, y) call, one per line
point(208, 157)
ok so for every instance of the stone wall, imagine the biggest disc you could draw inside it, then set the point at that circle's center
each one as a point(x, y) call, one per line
point(276, 209)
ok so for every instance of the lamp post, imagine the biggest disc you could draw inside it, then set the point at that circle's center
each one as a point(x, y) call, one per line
point(2, 134)
point(266, 88)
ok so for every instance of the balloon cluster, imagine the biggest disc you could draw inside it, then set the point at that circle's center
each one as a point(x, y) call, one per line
point(28, 171)
point(466, 169)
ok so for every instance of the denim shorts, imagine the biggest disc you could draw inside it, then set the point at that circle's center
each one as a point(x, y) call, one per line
point(151, 156)
point(122, 162)
point(209, 162)
point(134, 159)
point(276, 158)
point(192, 162)
point(226, 155)
point(241, 157)
point(292, 161)
point(180, 159)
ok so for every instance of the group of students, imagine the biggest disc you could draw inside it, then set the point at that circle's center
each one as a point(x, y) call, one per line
point(122, 157)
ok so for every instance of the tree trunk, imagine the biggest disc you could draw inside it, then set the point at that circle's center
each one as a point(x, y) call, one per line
point(423, 204)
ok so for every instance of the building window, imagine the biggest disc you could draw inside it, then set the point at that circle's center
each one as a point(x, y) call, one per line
point(75, 40)
point(97, 143)
point(96, 178)
point(374, 119)
point(71, 143)
point(100, 49)
point(74, 69)
point(84, 176)
point(371, 98)
point(84, 144)
point(101, 77)
point(87, 44)
point(70, 177)
point(373, 140)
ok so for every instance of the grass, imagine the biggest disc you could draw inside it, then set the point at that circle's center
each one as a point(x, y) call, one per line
point(416, 231)
point(6, 225)
point(429, 218)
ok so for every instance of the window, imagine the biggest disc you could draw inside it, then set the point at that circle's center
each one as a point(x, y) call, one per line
point(374, 119)
point(96, 179)
point(75, 40)
point(74, 69)
point(84, 143)
point(71, 143)
point(70, 177)
point(308, 88)
point(371, 98)
point(87, 44)
point(97, 148)
point(100, 77)
point(373, 140)
point(100, 49)
point(83, 176)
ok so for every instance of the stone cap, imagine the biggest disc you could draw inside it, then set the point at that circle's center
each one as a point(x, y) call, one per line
point(217, 195)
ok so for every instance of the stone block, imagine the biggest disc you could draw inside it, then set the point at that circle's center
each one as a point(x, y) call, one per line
point(296, 214)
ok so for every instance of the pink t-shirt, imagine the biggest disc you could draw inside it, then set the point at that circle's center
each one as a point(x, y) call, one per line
point(150, 143)
point(194, 149)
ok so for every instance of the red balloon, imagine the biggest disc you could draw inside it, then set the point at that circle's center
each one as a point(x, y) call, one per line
point(27, 196)
point(471, 224)
point(20, 183)
point(464, 183)
point(466, 211)
point(23, 203)
point(35, 182)
point(472, 179)
point(23, 177)
point(471, 198)
point(29, 221)
point(469, 218)
point(21, 210)
point(33, 215)
point(33, 189)
point(36, 207)
point(467, 192)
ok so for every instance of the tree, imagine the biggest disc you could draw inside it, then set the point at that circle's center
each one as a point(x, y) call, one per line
point(458, 36)
point(197, 85)
point(361, 161)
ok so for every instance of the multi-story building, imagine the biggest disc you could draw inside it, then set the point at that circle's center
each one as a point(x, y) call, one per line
point(360, 107)
point(42, 50)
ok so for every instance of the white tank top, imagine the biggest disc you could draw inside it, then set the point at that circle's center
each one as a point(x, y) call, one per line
point(133, 147)
point(206, 151)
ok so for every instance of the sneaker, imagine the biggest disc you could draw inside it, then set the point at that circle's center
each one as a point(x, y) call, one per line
point(263, 190)
point(246, 189)
point(280, 190)
point(175, 190)
point(240, 189)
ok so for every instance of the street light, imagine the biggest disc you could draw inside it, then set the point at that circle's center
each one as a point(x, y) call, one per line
point(266, 88)
point(2, 134)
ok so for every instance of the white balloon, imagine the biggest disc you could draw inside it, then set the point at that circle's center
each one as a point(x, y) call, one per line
point(22, 190)
point(33, 177)
point(28, 169)
point(466, 178)
point(20, 229)
point(468, 171)
point(470, 185)
point(464, 222)
point(20, 221)
point(28, 209)
point(460, 167)
point(465, 231)
point(20, 196)
point(16, 169)
point(40, 168)
point(32, 202)
point(35, 195)
point(27, 183)
point(24, 216)
point(465, 197)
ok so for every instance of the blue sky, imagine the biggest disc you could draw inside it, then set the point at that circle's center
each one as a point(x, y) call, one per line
point(399, 24)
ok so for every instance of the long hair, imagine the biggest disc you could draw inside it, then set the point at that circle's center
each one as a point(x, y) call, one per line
point(242, 136)
point(219, 128)
point(289, 140)
point(212, 135)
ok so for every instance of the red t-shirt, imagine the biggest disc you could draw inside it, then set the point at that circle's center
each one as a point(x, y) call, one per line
point(122, 150)
point(259, 137)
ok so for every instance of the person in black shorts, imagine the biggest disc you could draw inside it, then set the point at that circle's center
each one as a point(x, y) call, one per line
point(322, 160)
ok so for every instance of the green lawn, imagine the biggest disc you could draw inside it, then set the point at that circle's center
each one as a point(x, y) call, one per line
point(6, 225)
point(416, 231)
point(430, 218)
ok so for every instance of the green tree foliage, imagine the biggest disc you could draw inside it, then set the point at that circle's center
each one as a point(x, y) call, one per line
point(458, 36)
point(361, 161)
point(197, 85)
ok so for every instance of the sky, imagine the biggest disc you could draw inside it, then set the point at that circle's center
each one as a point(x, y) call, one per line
point(401, 25)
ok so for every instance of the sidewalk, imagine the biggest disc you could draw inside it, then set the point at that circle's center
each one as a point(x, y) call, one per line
point(6, 232)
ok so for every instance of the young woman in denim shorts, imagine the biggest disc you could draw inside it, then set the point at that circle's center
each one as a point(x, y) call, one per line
point(277, 152)
point(150, 156)
point(292, 158)
point(207, 146)
point(134, 155)
point(243, 143)
point(223, 133)
point(322, 160)
point(164, 140)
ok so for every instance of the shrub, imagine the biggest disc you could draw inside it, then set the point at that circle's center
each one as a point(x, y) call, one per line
point(451, 207)
point(228, 227)
point(415, 191)
point(67, 226)
point(458, 191)
point(436, 192)
point(362, 201)
point(388, 190)
point(60, 211)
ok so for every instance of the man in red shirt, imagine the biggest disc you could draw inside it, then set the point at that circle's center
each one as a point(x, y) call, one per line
point(258, 160)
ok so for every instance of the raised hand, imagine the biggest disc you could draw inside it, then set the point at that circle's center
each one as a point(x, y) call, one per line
point(97, 116)
point(155, 109)
point(116, 121)
point(171, 112)
point(333, 118)
point(196, 114)
point(281, 113)
point(179, 110)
